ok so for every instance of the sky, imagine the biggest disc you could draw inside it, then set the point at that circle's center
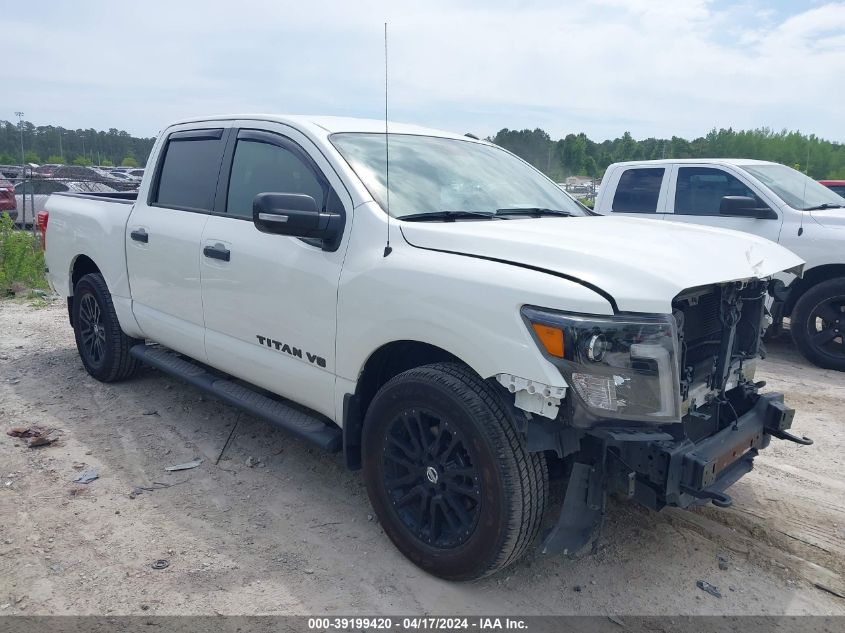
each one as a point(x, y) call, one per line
point(651, 67)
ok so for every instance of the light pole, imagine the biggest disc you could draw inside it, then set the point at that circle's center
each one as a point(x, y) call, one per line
point(20, 127)
point(61, 153)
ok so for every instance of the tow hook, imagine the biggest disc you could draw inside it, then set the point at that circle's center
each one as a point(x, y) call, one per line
point(785, 435)
point(778, 417)
point(719, 499)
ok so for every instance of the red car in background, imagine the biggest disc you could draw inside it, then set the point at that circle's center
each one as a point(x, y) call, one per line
point(8, 206)
point(837, 186)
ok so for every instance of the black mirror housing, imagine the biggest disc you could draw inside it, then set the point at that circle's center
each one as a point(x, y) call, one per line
point(745, 207)
point(294, 214)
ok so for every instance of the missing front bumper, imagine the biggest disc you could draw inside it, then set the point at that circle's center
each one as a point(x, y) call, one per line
point(657, 470)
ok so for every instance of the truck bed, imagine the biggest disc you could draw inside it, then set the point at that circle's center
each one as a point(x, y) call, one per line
point(91, 225)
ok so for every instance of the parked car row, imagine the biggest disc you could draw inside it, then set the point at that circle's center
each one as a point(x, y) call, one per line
point(27, 198)
point(8, 205)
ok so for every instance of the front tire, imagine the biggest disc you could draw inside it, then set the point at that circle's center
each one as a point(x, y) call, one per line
point(818, 324)
point(103, 346)
point(448, 474)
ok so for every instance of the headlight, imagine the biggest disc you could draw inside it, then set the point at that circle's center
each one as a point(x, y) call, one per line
point(620, 368)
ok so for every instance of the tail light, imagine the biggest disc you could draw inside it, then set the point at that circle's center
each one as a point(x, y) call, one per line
point(41, 222)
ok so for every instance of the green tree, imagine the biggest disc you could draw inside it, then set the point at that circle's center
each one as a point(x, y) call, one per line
point(626, 148)
point(82, 161)
point(56, 159)
point(106, 163)
point(129, 161)
point(31, 157)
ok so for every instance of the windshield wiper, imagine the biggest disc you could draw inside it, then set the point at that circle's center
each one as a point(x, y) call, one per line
point(446, 216)
point(826, 205)
point(534, 212)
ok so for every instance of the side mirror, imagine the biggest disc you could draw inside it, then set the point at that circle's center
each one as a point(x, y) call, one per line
point(293, 214)
point(745, 207)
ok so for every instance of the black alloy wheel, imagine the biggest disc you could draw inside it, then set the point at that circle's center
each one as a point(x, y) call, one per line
point(431, 479)
point(818, 324)
point(91, 330)
point(449, 475)
point(102, 344)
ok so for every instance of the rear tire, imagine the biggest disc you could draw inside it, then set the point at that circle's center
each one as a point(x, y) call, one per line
point(448, 474)
point(102, 345)
point(818, 324)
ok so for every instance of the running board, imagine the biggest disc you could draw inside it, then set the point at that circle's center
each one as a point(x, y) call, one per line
point(308, 427)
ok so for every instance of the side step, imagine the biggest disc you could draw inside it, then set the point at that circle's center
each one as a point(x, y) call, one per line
point(308, 427)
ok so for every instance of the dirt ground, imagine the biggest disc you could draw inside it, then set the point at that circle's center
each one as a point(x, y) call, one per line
point(278, 528)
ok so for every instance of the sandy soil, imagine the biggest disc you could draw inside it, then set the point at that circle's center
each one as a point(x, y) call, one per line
point(294, 534)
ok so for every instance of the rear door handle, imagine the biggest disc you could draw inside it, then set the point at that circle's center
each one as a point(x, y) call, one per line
point(140, 235)
point(217, 252)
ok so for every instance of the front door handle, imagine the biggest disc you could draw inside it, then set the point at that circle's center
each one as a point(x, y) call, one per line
point(218, 251)
point(140, 235)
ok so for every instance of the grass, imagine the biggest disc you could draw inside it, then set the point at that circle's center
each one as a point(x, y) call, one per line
point(21, 260)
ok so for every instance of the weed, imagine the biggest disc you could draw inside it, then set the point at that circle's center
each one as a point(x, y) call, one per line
point(21, 259)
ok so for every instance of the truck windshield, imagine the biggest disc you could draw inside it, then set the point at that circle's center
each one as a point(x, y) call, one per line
point(432, 175)
point(794, 188)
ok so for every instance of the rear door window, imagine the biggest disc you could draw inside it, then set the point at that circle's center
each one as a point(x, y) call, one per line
point(188, 174)
point(699, 190)
point(638, 190)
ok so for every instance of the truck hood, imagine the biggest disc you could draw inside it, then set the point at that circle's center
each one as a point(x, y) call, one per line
point(833, 218)
point(642, 264)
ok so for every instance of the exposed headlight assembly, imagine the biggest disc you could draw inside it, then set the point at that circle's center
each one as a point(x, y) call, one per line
point(620, 367)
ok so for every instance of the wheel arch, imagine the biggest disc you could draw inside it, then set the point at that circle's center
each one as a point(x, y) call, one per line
point(384, 363)
point(80, 266)
point(811, 278)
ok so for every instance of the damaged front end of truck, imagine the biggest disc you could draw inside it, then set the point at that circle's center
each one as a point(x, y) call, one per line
point(662, 410)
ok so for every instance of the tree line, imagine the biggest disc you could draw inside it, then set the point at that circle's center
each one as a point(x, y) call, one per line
point(578, 155)
point(575, 154)
point(52, 144)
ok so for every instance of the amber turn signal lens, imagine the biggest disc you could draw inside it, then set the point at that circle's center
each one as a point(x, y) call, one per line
point(551, 338)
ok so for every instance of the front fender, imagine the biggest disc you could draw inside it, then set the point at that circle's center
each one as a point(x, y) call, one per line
point(466, 306)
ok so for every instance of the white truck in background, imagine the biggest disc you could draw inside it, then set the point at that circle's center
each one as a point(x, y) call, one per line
point(456, 334)
point(763, 198)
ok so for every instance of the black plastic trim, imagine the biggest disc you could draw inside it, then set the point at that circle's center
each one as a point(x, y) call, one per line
point(352, 431)
point(213, 252)
point(207, 134)
point(118, 197)
point(322, 434)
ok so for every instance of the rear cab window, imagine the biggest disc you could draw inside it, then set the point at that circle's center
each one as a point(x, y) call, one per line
point(188, 170)
point(638, 190)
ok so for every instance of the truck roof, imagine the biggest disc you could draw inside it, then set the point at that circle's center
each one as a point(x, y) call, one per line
point(699, 161)
point(324, 125)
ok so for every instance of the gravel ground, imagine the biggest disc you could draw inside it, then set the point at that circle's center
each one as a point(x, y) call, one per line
point(278, 528)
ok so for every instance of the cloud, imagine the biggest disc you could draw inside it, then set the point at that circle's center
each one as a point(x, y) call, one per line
point(654, 67)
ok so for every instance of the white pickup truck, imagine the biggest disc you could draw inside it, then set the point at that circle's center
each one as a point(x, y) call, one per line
point(449, 318)
point(767, 199)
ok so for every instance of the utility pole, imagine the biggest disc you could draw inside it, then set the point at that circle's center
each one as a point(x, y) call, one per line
point(61, 153)
point(23, 170)
point(20, 128)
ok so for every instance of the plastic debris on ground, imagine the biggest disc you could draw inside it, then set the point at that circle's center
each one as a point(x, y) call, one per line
point(87, 477)
point(185, 466)
point(711, 589)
